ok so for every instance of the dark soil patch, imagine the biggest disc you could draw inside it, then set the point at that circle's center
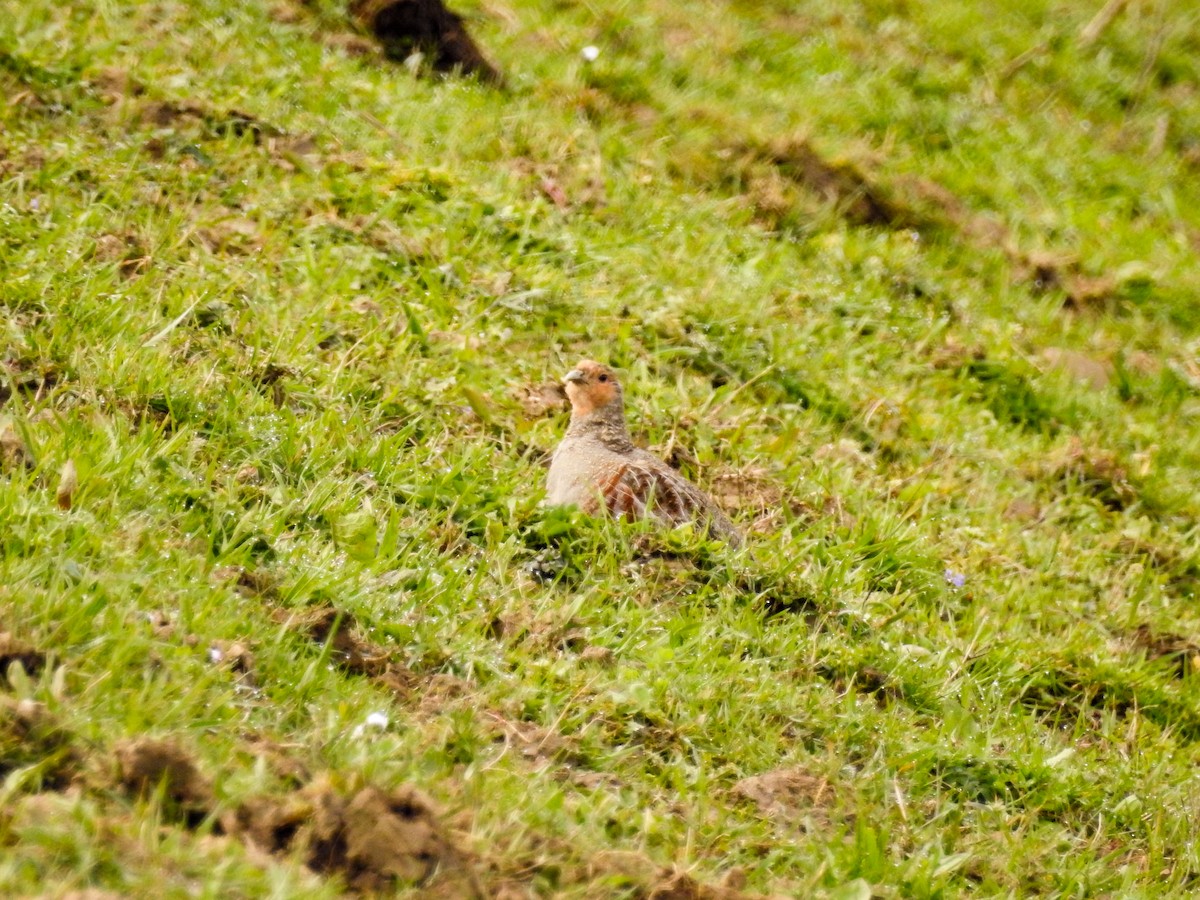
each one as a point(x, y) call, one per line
point(248, 582)
point(858, 199)
point(326, 625)
point(278, 756)
point(237, 658)
point(777, 175)
point(428, 27)
point(145, 763)
point(12, 650)
point(373, 838)
point(177, 113)
point(126, 250)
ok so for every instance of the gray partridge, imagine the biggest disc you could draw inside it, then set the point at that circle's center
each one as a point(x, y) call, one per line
point(597, 467)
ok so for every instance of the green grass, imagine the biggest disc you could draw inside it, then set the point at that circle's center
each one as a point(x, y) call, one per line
point(277, 303)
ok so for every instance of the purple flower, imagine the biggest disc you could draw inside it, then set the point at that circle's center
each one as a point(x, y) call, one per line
point(957, 579)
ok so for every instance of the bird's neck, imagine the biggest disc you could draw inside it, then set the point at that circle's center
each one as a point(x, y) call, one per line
point(605, 424)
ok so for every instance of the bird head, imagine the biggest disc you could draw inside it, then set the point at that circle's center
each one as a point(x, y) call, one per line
point(593, 387)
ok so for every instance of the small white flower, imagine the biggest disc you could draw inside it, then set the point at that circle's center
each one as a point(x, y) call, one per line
point(215, 654)
point(377, 720)
point(590, 53)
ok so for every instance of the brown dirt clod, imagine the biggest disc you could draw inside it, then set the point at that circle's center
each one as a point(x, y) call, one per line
point(427, 26)
point(339, 629)
point(373, 838)
point(13, 650)
point(145, 763)
point(126, 250)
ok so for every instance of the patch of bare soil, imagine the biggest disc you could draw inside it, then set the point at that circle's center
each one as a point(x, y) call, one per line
point(428, 27)
point(278, 756)
point(113, 84)
point(938, 207)
point(1023, 509)
point(753, 492)
point(235, 656)
point(864, 679)
point(233, 236)
point(126, 250)
point(373, 838)
point(339, 629)
point(856, 197)
point(144, 764)
point(789, 795)
point(177, 113)
point(771, 172)
point(14, 650)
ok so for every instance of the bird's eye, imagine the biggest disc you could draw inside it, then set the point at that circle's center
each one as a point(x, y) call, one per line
point(604, 378)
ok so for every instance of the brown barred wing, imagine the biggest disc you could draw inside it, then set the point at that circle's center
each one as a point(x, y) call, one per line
point(646, 486)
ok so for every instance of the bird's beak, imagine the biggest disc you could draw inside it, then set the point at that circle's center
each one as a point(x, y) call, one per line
point(574, 375)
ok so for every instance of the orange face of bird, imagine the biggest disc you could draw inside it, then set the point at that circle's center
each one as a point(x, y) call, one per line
point(591, 386)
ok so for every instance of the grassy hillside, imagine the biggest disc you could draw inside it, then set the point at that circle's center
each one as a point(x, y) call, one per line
point(908, 286)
